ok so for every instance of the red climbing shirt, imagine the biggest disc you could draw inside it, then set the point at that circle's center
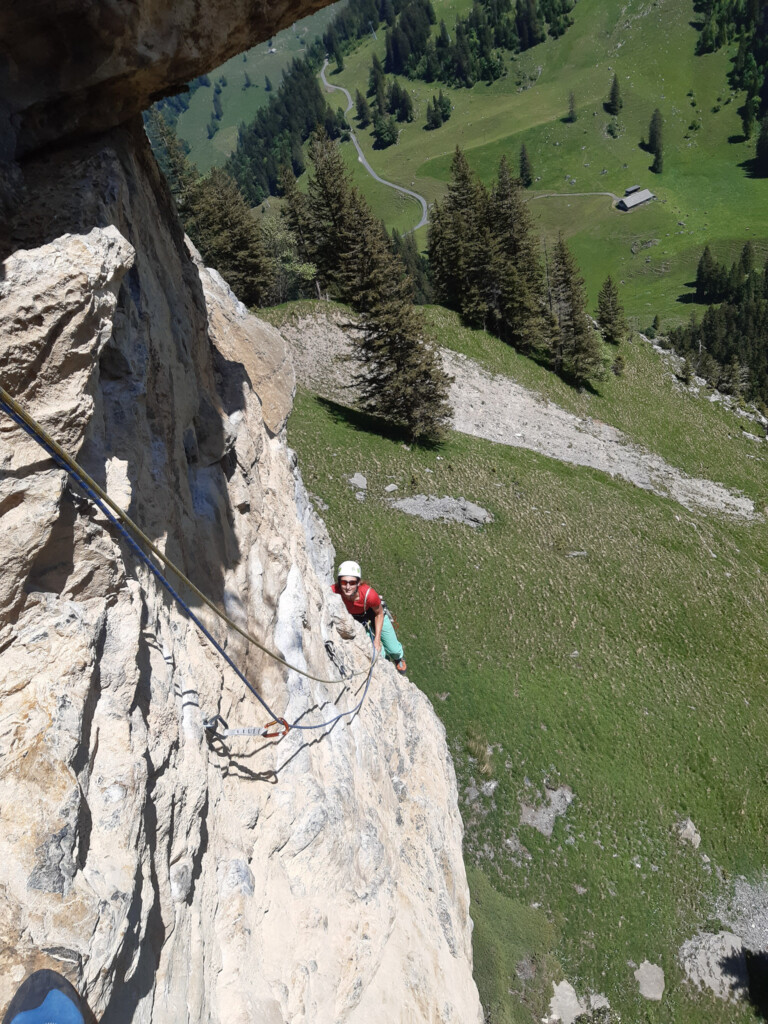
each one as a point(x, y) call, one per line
point(367, 601)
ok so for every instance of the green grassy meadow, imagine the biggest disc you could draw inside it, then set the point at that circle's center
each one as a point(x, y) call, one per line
point(704, 195)
point(239, 104)
point(633, 674)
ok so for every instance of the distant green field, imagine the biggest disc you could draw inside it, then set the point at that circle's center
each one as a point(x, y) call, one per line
point(240, 104)
point(634, 673)
point(704, 195)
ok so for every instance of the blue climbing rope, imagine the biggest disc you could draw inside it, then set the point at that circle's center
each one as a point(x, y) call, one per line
point(143, 557)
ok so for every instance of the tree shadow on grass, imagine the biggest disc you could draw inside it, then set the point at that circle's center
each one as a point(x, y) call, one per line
point(750, 168)
point(736, 139)
point(368, 423)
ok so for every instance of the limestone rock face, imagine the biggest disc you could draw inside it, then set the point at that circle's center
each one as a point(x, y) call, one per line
point(170, 876)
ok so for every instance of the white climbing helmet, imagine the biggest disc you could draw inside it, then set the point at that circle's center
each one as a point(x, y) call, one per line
point(349, 569)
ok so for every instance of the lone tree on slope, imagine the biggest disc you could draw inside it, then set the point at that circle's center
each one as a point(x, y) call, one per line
point(614, 103)
point(526, 168)
point(655, 144)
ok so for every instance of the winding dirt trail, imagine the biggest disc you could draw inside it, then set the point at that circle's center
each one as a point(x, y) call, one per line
point(564, 195)
point(364, 161)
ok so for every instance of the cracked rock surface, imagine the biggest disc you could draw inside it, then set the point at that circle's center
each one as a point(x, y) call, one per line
point(169, 876)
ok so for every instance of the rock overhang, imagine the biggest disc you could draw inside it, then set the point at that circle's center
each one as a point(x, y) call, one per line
point(76, 68)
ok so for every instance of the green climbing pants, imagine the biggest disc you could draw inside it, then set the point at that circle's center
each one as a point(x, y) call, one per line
point(392, 646)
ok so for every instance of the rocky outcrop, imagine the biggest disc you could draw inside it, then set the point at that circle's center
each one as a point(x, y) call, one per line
point(169, 876)
point(78, 68)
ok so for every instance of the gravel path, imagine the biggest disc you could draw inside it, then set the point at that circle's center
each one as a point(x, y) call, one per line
point(563, 195)
point(363, 160)
point(498, 409)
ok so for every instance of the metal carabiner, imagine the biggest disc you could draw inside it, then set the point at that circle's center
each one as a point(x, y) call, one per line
point(276, 735)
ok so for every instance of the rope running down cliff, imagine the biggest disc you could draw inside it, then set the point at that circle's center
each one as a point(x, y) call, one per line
point(20, 416)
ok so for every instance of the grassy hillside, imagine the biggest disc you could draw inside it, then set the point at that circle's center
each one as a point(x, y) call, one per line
point(240, 104)
point(633, 673)
point(704, 193)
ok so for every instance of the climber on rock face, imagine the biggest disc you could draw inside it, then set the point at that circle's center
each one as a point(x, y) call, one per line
point(364, 604)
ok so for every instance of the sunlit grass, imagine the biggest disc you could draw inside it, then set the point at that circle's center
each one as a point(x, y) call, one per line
point(635, 674)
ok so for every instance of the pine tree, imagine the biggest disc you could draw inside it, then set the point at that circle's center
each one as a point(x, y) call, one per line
point(655, 141)
point(526, 169)
point(518, 268)
point(576, 349)
point(363, 110)
point(375, 77)
point(385, 131)
point(454, 225)
point(400, 376)
point(705, 276)
point(416, 266)
point(331, 225)
point(761, 149)
point(614, 103)
point(219, 222)
point(434, 117)
point(610, 313)
point(480, 301)
point(747, 259)
point(295, 211)
point(572, 115)
point(735, 378)
point(267, 84)
point(291, 276)
point(170, 155)
point(749, 116)
point(686, 372)
point(654, 131)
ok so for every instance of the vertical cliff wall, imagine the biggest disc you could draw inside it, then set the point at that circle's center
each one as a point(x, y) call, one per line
point(170, 878)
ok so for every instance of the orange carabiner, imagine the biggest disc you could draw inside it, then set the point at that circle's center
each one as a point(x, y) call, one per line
point(276, 735)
